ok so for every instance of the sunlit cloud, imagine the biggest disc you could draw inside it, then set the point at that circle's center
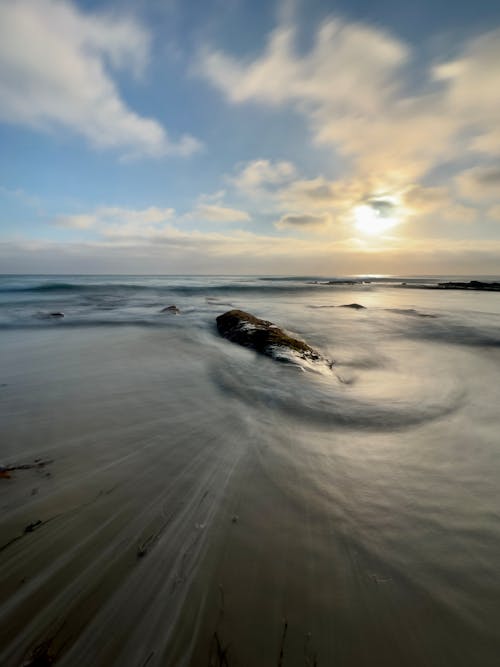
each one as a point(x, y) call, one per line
point(351, 87)
point(257, 175)
point(459, 213)
point(472, 91)
point(105, 216)
point(421, 199)
point(218, 213)
point(493, 213)
point(480, 183)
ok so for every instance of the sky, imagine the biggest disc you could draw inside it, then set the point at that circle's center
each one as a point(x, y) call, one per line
point(298, 137)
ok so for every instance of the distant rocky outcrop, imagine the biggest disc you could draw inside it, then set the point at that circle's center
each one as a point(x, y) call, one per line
point(471, 285)
point(335, 282)
point(264, 337)
point(356, 306)
point(170, 309)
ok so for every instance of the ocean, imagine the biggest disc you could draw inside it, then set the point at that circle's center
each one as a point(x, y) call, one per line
point(171, 498)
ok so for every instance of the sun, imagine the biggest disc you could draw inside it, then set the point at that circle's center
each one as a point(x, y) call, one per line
point(372, 221)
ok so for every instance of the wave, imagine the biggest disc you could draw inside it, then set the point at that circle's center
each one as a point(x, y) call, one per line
point(44, 321)
point(71, 287)
point(188, 290)
point(330, 403)
point(44, 287)
point(450, 332)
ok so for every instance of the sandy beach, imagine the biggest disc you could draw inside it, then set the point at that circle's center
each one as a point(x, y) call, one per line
point(193, 503)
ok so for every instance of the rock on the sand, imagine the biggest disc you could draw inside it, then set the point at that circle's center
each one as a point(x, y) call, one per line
point(264, 337)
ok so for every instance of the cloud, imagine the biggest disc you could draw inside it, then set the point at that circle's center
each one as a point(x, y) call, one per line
point(175, 251)
point(110, 219)
point(352, 87)
point(420, 199)
point(459, 213)
point(480, 183)
point(262, 174)
point(310, 205)
point(303, 221)
point(493, 213)
point(472, 92)
point(217, 213)
point(120, 222)
point(357, 62)
point(82, 221)
point(315, 192)
point(55, 71)
point(346, 85)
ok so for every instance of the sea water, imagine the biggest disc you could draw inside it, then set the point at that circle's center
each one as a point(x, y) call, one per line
point(201, 503)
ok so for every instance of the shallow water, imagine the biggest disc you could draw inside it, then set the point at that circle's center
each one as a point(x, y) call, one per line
point(205, 504)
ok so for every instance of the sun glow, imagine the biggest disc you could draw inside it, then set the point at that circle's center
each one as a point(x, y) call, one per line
point(371, 221)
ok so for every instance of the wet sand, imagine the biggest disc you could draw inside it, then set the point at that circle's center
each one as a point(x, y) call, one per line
point(180, 525)
point(125, 507)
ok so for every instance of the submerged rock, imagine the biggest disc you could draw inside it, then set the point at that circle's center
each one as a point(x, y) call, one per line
point(264, 337)
point(170, 309)
point(356, 306)
point(56, 314)
point(409, 311)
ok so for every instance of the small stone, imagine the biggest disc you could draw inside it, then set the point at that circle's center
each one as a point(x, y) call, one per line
point(33, 526)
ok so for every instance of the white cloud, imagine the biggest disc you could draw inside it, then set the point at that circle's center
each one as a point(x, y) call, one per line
point(55, 64)
point(352, 87)
point(82, 221)
point(262, 174)
point(217, 213)
point(116, 221)
point(110, 219)
point(355, 62)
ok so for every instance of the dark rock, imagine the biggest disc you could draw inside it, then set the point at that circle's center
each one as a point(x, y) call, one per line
point(356, 306)
point(171, 309)
point(336, 282)
point(264, 337)
point(33, 526)
point(56, 314)
point(471, 285)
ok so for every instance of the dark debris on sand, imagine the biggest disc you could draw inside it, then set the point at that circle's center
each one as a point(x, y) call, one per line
point(38, 464)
